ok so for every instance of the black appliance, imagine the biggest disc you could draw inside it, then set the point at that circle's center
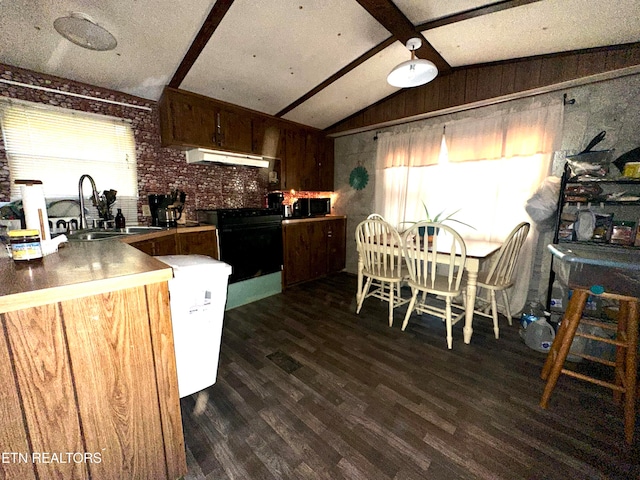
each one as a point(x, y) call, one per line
point(274, 200)
point(156, 202)
point(312, 207)
point(166, 210)
point(250, 239)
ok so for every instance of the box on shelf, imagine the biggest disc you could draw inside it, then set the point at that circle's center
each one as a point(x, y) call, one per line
point(603, 227)
point(623, 232)
point(631, 170)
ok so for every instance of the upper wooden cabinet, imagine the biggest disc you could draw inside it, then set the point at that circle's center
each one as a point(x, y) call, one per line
point(186, 120)
point(233, 129)
point(308, 163)
point(191, 120)
point(303, 156)
point(268, 137)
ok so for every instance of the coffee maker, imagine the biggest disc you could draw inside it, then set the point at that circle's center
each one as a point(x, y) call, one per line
point(166, 210)
point(156, 201)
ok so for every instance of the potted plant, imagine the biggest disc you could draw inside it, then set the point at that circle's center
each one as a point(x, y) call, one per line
point(439, 218)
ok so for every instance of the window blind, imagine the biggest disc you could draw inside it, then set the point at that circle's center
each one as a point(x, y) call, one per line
point(58, 145)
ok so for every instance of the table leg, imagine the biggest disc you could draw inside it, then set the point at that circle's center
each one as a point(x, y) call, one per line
point(472, 279)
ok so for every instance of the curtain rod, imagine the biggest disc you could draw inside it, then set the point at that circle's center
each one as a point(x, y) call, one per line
point(71, 94)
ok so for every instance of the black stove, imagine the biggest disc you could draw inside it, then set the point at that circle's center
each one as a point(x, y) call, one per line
point(250, 239)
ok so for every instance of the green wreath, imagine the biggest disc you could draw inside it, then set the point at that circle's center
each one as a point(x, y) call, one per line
point(359, 178)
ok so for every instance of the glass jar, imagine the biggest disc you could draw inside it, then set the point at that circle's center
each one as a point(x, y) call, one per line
point(25, 245)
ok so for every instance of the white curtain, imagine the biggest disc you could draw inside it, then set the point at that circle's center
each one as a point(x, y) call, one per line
point(487, 169)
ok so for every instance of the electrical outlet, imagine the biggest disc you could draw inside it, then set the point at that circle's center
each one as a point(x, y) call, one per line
point(146, 211)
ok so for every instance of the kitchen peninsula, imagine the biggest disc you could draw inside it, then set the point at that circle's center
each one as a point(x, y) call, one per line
point(86, 354)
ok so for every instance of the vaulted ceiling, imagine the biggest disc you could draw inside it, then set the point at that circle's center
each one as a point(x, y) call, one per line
point(312, 62)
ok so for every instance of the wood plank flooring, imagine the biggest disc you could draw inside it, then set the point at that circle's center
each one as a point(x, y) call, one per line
point(307, 389)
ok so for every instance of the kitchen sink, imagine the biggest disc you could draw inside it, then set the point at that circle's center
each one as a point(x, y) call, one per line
point(102, 234)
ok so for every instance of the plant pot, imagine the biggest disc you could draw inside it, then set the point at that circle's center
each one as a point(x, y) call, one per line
point(429, 231)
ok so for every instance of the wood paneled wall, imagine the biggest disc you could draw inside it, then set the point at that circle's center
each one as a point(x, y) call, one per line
point(483, 82)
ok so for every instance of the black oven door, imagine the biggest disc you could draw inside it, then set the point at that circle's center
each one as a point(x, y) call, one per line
point(251, 250)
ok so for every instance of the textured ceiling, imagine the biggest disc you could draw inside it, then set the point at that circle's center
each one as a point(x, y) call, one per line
point(313, 62)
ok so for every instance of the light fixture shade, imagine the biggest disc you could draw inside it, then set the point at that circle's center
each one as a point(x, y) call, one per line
point(84, 32)
point(412, 73)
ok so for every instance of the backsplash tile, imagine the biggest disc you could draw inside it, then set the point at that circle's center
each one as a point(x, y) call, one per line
point(160, 170)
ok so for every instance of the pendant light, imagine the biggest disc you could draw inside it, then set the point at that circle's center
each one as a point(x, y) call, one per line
point(78, 28)
point(414, 72)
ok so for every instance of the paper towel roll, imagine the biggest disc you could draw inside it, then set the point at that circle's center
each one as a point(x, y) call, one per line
point(35, 207)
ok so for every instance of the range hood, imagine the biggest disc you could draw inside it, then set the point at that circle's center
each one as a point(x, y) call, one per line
point(203, 156)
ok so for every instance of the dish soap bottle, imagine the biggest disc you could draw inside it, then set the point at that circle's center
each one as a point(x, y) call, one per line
point(120, 222)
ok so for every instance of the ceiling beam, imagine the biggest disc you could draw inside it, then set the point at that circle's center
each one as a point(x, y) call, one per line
point(340, 73)
point(217, 13)
point(474, 12)
point(391, 18)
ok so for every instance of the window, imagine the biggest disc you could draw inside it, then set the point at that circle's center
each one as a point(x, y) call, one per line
point(58, 145)
point(489, 166)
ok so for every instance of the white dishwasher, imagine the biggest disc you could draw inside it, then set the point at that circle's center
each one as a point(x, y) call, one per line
point(198, 293)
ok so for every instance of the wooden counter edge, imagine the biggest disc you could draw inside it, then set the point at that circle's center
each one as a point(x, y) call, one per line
point(291, 221)
point(18, 301)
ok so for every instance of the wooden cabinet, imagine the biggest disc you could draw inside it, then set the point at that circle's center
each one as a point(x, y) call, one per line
point(186, 120)
point(294, 159)
point(308, 161)
point(191, 120)
point(313, 248)
point(164, 245)
point(190, 241)
point(233, 129)
point(325, 164)
point(90, 383)
point(304, 155)
point(203, 242)
point(268, 137)
point(336, 244)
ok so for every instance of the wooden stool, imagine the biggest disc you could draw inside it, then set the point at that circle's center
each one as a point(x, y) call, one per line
point(626, 342)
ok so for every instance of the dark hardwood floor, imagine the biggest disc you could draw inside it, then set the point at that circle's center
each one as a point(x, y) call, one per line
point(306, 389)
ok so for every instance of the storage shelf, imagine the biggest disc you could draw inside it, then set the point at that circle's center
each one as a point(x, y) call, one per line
point(620, 181)
point(603, 202)
point(599, 244)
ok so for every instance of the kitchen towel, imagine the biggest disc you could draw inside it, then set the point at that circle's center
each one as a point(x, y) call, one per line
point(35, 207)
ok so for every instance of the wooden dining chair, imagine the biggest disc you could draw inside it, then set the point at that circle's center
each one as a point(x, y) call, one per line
point(435, 265)
point(379, 261)
point(499, 277)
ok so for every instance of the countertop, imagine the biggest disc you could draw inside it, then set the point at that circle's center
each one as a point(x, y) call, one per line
point(289, 221)
point(160, 233)
point(78, 269)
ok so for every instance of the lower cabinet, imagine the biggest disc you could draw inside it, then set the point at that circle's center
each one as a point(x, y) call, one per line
point(91, 382)
point(198, 243)
point(313, 248)
point(187, 242)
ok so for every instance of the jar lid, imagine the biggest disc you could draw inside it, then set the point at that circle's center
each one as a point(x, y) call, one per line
point(24, 233)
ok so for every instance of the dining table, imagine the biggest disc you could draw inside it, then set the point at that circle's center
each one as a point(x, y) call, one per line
point(477, 252)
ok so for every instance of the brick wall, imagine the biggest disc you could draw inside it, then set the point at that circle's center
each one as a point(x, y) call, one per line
point(160, 170)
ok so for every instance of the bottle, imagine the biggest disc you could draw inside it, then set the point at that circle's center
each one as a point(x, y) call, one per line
point(532, 313)
point(120, 222)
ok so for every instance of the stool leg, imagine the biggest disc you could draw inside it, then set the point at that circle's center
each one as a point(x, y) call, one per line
point(630, 381)
point(621, 352)
point(553, 366)
point(553, 351)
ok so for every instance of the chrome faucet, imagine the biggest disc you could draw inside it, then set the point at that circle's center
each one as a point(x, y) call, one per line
point(96, 199)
